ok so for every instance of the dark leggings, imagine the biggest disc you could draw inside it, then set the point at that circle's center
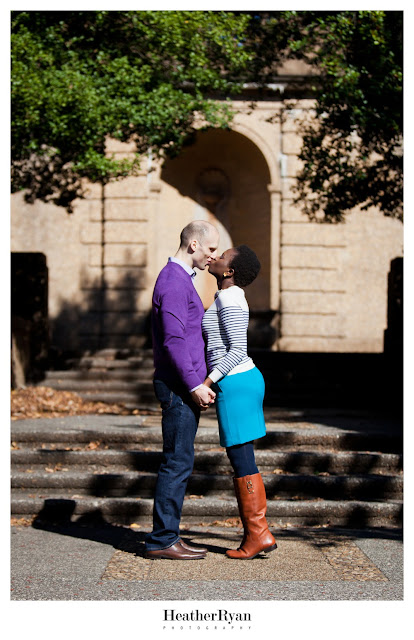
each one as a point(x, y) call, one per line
point(242, 460)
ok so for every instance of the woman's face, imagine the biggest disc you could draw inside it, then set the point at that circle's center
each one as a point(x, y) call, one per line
point(221, 264)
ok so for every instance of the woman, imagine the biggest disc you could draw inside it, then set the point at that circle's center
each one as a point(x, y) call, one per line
point(239, 386)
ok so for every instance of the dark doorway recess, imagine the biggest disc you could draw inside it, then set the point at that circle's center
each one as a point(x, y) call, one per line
point(29, 317)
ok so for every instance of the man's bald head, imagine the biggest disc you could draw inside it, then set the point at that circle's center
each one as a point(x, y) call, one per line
point(196, 230)
point(199, 243)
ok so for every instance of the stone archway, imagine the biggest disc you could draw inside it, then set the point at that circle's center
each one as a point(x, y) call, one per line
point(223, 177)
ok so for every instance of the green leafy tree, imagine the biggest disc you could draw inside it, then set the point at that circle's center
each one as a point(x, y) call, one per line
point(81, 77)
point(143, 76)
point(352, 149)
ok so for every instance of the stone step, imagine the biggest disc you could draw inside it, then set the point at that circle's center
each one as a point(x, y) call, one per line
point(132, 431)
point(120, 483)
point(128, 371)
point(291, 461)
point(99, 387)
point(136, 398)
point(297, 385)
point(100, 375)
point(132, 399)
point(113, 369)
point(282, 396)
point(103, 360)
point(113, 353)
point(293, 379)
point(110, 364)
point(125, 387)
point(59, 508)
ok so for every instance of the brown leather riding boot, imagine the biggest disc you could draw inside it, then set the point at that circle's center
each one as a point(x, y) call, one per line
point(239, 504)
point(251, 497)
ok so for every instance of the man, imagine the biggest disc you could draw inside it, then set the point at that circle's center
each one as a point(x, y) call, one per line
point(180, 370)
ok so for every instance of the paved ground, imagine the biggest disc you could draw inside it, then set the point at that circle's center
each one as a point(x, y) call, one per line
point(80, 562)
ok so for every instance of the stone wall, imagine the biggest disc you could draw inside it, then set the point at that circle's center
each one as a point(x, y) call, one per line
point(333, 276)
point(323, 287)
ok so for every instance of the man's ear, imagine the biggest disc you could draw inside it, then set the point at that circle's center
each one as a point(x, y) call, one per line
point(193, 245)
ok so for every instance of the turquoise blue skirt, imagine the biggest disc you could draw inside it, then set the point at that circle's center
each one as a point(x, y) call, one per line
point(239, 406)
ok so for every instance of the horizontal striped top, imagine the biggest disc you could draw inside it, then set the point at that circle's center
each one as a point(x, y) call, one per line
point(225, 332)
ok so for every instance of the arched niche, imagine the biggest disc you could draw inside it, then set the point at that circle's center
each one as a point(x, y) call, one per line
point(222, 177)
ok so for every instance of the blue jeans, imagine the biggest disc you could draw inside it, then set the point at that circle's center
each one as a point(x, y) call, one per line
point(180, 417)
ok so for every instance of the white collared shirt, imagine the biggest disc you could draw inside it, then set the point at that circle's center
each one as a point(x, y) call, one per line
point(185, 266)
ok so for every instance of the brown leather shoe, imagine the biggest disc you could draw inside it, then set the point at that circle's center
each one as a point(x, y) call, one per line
point(175, 552)
point(193, 549)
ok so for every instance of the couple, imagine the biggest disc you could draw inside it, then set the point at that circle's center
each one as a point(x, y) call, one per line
point(182, 334)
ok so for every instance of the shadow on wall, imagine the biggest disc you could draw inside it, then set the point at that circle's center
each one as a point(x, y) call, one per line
point(108, 318)
point(357, 380)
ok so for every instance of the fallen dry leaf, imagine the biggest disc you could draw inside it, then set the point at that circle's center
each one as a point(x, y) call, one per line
point(21, 522)
point(45, 402)
point(94, 444)
point(230, 522)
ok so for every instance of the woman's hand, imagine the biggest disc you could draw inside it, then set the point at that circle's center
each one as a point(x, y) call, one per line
point(208, 382)
point(203, 396)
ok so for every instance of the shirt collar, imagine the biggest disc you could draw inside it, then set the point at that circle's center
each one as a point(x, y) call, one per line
point(185, 266)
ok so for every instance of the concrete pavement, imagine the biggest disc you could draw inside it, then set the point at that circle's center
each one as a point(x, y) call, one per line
point(80, 561)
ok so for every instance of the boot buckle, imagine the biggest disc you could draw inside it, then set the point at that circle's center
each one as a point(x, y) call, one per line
point(250, 486)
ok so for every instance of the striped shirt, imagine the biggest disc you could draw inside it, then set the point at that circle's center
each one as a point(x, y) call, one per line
point(225, 332)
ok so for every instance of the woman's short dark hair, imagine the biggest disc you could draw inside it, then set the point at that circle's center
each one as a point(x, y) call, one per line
point(246, 266)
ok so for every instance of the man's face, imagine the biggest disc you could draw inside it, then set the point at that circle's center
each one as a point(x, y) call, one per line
point(206, 251)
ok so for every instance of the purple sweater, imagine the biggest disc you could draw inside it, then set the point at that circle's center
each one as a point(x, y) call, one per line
point(178, 344)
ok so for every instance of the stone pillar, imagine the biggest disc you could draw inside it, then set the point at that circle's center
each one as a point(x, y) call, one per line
point(275, 228)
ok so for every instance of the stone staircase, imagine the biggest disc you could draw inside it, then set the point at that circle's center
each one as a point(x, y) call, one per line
point(109, 375)
point(292, 379)
point(319, 468)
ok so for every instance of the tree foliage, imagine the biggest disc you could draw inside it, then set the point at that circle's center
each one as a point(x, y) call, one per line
point(352, 149)
point(144, 76)
point(81, 77)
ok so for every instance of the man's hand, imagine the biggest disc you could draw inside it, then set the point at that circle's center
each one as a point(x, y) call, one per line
point(203, 397)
